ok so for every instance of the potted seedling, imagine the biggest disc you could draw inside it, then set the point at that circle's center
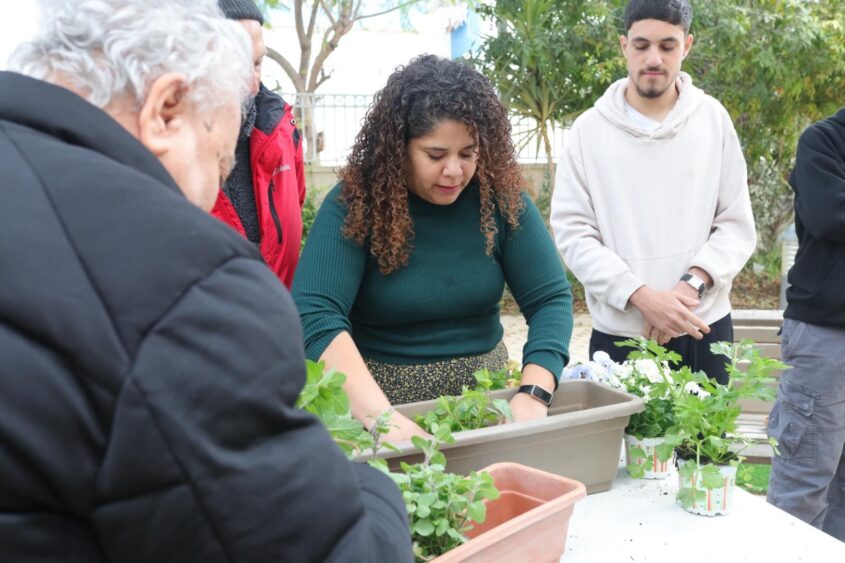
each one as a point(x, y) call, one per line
point(647, 375)
point(704, 435)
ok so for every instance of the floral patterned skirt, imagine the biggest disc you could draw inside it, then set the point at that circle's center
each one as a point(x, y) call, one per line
point(423, 382)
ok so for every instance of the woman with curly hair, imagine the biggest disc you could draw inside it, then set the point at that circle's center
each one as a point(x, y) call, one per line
point(400, 281)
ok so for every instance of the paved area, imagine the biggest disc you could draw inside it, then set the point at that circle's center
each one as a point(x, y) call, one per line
point(516, 333)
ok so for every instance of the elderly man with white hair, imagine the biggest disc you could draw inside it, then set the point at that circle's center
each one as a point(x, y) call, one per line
point(147, 382)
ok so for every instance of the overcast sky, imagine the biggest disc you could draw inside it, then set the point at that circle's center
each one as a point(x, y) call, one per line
point(17, 24)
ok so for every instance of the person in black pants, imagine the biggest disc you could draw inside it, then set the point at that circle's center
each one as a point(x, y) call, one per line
point(651, 210)
point(695, 353)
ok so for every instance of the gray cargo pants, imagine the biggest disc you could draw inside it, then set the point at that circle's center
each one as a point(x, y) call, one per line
point(808, 421)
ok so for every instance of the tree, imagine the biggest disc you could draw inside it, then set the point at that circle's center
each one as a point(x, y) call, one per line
point(549, 61)
point(320, 25)
point(776, 65)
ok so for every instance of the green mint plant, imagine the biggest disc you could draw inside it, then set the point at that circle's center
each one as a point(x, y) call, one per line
point(441, 506)
point(471, 410)
point(706, 413)
point(324, 397)
point(505, 378)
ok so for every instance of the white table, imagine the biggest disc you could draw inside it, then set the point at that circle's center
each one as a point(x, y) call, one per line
point(639, 520)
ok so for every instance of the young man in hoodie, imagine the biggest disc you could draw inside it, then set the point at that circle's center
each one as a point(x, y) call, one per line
point(651, 210)
point(808, 419)
point(263, 196)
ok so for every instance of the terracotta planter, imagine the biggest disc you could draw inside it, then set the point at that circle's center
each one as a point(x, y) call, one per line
point(580, 438)
point(655, 469)
point(716, 501)
point(530, 520)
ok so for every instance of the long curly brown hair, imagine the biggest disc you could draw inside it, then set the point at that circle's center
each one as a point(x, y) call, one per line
point(415, 100)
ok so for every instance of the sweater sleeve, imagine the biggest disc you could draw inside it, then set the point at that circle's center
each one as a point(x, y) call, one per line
point(328, 277)
point(535, 275)
point(603, 273)
point(732, 235)
point(819, 183)
point(209, 460)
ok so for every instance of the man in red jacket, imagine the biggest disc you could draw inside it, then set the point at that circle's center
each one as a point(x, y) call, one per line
point(262, 198)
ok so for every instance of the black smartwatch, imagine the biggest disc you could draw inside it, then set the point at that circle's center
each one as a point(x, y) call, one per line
point(696, 282)
point(537, 393)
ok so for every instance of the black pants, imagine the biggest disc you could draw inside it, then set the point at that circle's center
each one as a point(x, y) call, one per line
point(694, 353)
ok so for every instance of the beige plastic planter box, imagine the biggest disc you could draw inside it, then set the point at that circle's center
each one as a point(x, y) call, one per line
point(580, 439)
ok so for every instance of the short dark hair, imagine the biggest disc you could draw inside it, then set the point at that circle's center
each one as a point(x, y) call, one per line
point(676, 12)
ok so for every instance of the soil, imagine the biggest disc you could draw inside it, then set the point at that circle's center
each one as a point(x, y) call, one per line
point(753, 291)
point(687, 454)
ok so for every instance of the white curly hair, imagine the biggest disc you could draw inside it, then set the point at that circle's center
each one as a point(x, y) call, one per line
point(108, 49)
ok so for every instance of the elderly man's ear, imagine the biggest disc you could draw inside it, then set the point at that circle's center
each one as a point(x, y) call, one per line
point(164, 113)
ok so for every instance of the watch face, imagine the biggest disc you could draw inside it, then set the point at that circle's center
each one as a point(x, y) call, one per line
point(696, 283)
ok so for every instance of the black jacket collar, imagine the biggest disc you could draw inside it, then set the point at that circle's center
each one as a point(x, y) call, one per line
point(839, 117)
point(60, 113)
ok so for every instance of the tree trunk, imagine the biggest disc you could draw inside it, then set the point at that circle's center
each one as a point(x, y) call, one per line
point(305, 102)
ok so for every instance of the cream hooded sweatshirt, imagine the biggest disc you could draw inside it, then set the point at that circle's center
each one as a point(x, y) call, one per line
point(634, 208)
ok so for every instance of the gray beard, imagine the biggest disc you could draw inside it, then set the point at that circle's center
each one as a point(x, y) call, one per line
point(249, 119)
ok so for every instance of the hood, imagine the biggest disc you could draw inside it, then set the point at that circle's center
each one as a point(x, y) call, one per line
point(612, 107)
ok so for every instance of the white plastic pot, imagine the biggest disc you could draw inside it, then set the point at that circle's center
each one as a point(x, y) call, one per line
point(655, 469)
point(716, 501)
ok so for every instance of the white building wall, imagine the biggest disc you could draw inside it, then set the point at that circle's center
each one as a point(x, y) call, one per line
point(18, 20)
point(366, 56)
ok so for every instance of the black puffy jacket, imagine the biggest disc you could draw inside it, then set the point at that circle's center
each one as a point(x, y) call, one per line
point(149, 362)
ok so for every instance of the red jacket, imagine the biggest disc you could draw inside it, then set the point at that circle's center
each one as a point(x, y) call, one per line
point(278, 176)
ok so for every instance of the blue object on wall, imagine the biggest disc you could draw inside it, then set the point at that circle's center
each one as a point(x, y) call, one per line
point(466, 36)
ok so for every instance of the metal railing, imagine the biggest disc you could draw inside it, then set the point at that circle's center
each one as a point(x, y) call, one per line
point(330, 122)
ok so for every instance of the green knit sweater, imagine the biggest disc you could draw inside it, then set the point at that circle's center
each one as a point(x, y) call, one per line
point(445, 302)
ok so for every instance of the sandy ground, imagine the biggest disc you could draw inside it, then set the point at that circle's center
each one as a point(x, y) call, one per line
point(516, 332)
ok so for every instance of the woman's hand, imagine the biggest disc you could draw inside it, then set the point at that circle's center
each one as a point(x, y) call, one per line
point(402, 428)
point(525, 407)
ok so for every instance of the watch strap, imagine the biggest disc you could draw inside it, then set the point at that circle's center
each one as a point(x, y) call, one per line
point(537, 393)
point(696, 282)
